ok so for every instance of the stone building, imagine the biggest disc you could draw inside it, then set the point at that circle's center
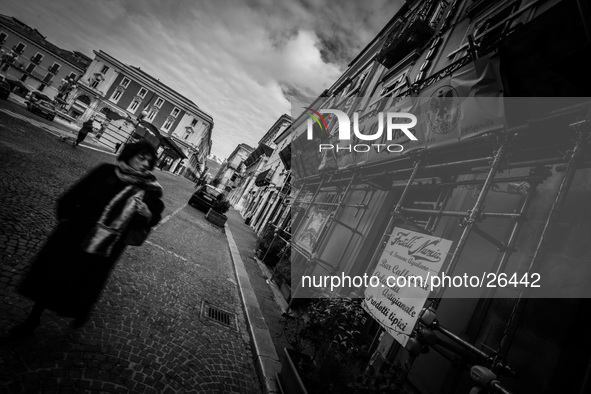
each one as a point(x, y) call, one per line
point(31, 63)
point(495, 171)
point(142, 102)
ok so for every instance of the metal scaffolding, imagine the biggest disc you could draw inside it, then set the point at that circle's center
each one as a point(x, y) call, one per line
point(497, 162)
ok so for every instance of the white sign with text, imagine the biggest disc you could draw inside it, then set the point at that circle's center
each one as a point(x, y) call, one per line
point(404, 269)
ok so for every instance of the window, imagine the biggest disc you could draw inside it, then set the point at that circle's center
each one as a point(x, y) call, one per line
point(487, 30)
point(492, 29)
point(41, 87)
point(142, 92)
point(48, 78)
point(124, 82)
point(30, 68)
point(133, 106)
point(194, 123)
point(394, 86)
point(3, 37)
point(95, 83)
point(104, 69)
point(152, 115)
point(175, 112)
point(168, 123)
point(159, 102)
point(72, 76)
point(117, 95)
point(37, 58)
point(54, 68)
point(23, 77)
point(19, 48)
point(436, 16)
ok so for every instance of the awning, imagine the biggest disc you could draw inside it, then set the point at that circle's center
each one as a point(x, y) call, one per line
point(14, 83)
point(262, 149)
point(41, 96)
point(285, 156)
point(148, 132)
point(264, 178)
point(168, 142)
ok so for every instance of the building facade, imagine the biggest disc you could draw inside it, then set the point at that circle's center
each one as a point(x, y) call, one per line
point(112, 87)
point(32, 63)
point(506, 187)
point(257, 196)
point(232, 169)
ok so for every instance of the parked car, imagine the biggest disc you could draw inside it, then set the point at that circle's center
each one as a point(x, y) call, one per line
point(204, 197)
point(42, 105)
point(4, 89)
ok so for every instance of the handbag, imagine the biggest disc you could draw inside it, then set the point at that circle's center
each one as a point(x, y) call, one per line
point(137, 231)
point(101, 240)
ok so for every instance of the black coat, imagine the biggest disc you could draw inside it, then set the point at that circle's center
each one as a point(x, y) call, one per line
point(63, 277)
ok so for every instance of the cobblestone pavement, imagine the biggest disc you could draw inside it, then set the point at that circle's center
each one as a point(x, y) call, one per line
point(148, 333)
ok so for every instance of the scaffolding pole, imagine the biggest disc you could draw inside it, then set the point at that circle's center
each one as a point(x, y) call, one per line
point(572, 166)
point(475, 214)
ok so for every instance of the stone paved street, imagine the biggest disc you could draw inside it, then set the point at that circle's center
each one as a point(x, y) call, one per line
point(149, 332)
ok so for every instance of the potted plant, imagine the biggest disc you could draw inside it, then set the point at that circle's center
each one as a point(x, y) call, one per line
point(327, 355)
point(270, 246)
point(216, 213)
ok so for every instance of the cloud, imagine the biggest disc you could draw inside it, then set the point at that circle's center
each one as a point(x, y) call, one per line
point(238, 61)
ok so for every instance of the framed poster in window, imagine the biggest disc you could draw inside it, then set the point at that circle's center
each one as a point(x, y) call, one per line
point(312, 228)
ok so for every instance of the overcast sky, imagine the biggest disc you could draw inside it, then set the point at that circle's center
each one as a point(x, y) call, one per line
point(240, 61)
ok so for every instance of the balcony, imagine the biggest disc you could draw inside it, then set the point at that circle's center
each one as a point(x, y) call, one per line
point(402, 43)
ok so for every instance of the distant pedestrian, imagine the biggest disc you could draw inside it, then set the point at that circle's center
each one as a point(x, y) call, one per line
point(162, 164)
point(87, 127)
point(113, 206)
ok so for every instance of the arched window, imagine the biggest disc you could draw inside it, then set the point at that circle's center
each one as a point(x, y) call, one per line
point(84, 99)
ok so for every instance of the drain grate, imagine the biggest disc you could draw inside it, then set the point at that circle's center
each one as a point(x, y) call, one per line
point(218, 315)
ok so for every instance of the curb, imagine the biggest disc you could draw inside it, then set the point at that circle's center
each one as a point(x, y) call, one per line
point(267, 360)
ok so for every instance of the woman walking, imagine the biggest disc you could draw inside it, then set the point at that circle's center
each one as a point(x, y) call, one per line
point(113, 206)
point(86, 128)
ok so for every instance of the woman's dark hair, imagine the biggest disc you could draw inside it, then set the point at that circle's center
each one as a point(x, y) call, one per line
point(138, 148)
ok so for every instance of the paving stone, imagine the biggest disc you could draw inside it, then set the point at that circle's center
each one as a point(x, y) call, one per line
point(147, 323)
